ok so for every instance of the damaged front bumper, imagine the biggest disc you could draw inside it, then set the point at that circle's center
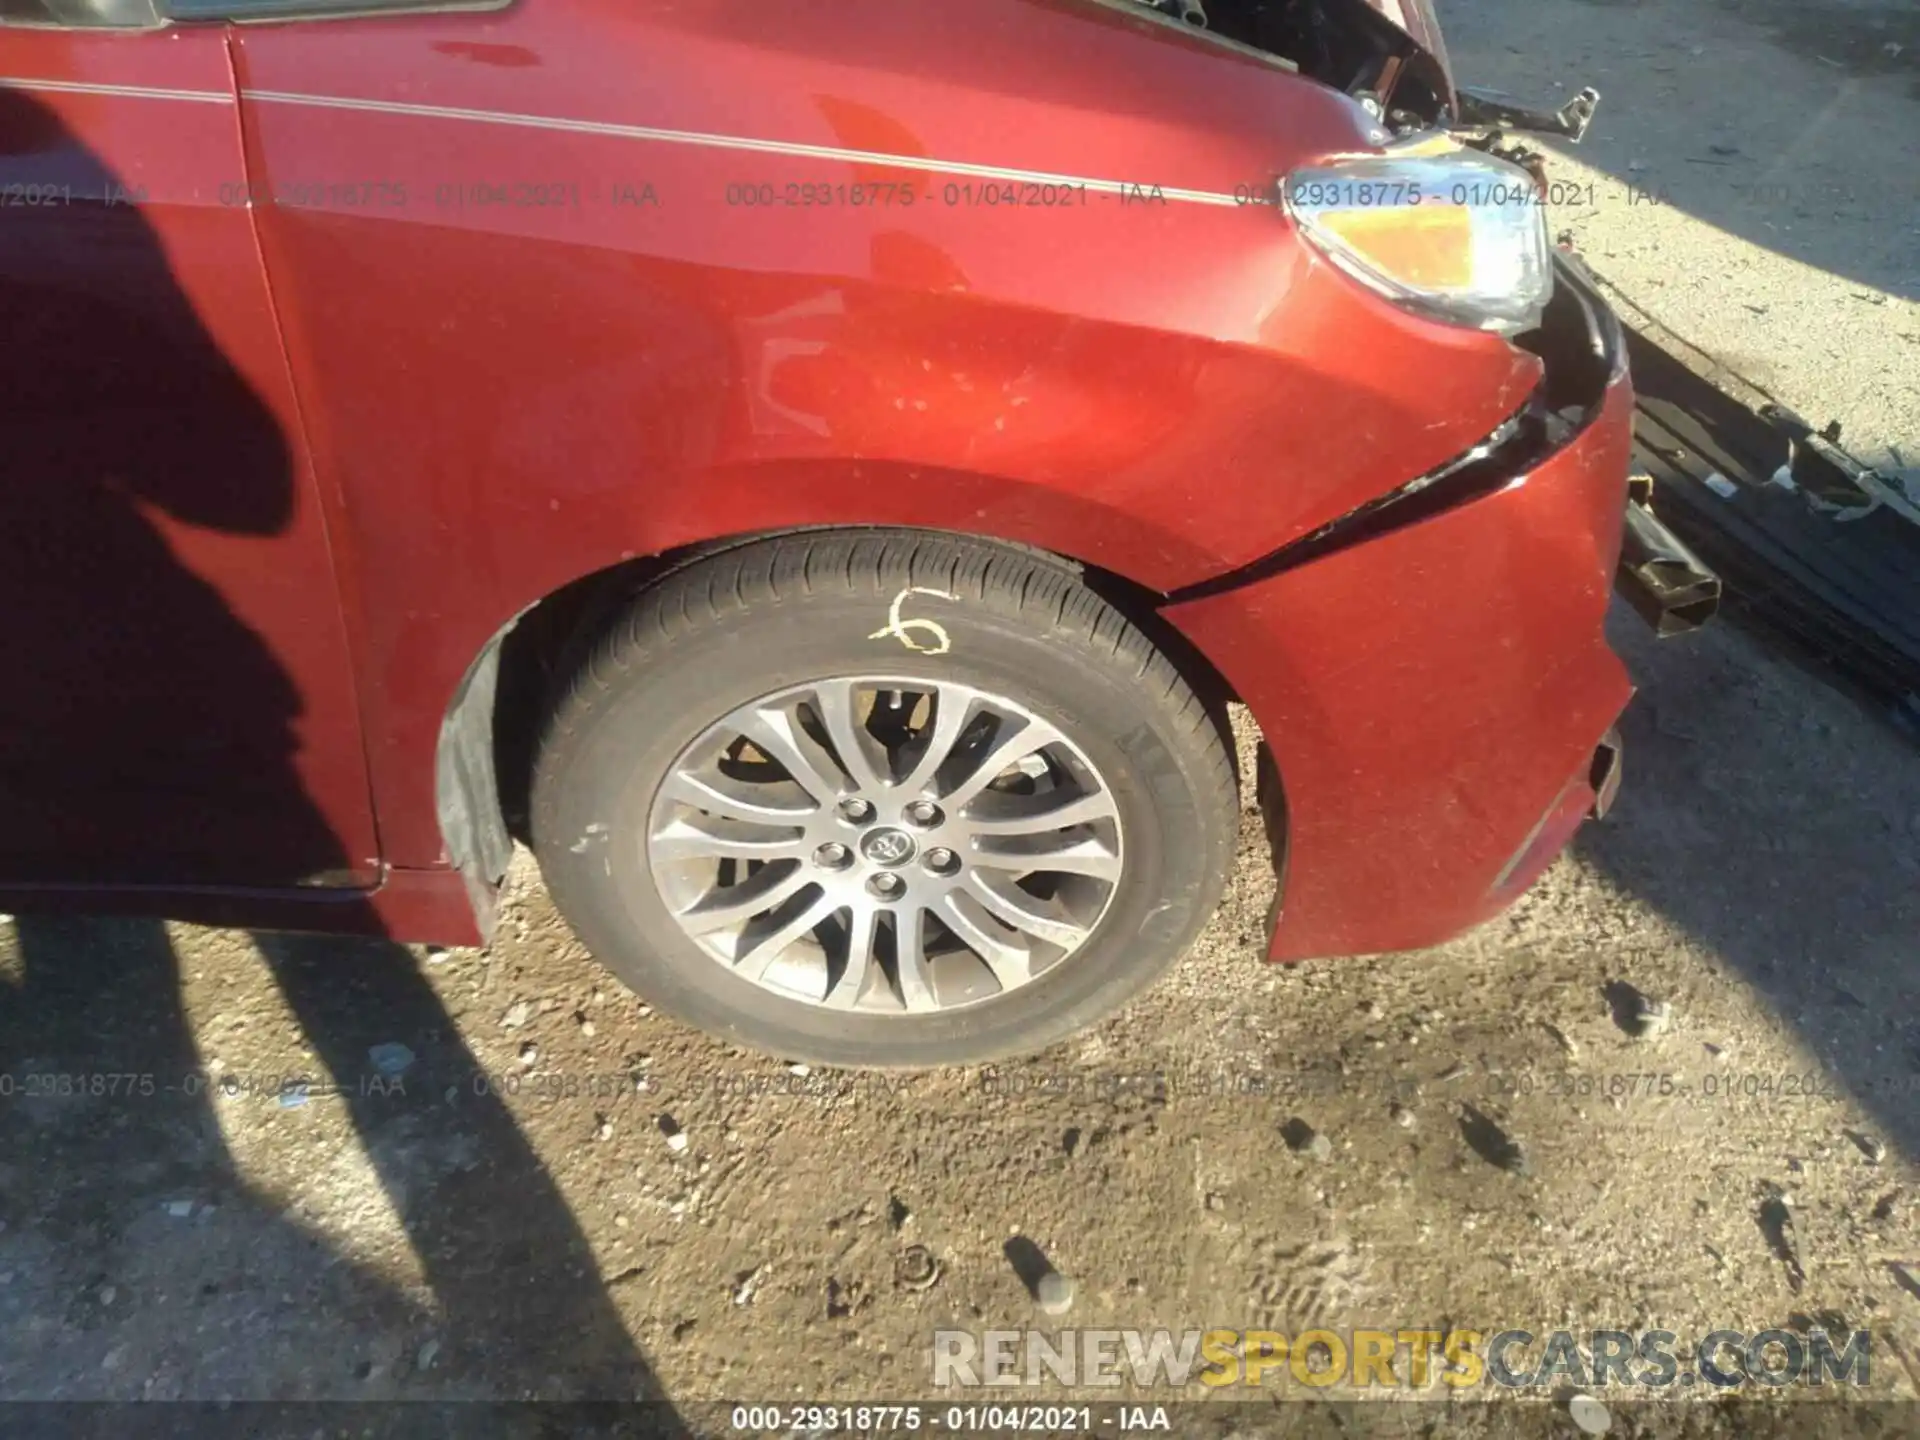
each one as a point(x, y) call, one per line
point(1432, 675)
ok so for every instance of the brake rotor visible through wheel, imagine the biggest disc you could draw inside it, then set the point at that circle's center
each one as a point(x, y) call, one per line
point(886, 844)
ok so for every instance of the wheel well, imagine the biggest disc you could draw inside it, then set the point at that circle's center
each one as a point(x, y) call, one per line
point(487, 737)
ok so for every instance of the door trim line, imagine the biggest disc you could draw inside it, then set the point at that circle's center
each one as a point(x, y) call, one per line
point(126, 92)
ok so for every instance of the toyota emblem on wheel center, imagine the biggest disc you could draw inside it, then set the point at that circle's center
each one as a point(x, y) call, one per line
point(888, 847)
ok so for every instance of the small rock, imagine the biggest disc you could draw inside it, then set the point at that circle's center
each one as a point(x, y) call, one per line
point(1055, 1293)
point(108, 1294)
point(1565, 1041)
point(179, 1209)
point(438, 955)
point(391, 1060)
point(676, 1137)
point(1870, 1146)
point(1589, 1416)
point(586, 1028)
point(529, 1055)
point(1402, 1116)
point(1637, 1013)
point(427, 1354)
point(1303, 1139)
point(1370, 1009)
point(1491, 1142)
point(604, 1131)
point(1216, 1202)
point(1071, 1141)
point(746, 1284)
point(517, 1015)
point(798, 1069)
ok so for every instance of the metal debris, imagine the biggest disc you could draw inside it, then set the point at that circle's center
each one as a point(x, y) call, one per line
point(916, 1269)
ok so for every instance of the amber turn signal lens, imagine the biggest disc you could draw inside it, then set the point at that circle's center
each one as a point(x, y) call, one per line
point(1448, 232)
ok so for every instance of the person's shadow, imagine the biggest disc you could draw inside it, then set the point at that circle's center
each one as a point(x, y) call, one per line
point(136, 1259)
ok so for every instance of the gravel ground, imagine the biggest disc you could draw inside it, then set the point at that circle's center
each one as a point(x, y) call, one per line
point(498, 1210)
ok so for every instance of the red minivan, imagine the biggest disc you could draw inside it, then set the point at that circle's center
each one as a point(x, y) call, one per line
point(817, 470)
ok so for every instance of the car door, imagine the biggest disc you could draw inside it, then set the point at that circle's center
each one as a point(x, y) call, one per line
point(177, 704)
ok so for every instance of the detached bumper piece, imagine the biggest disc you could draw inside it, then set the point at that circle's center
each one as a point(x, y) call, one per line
point(1665, 582)
point(1604, 778)
point(1820, 550)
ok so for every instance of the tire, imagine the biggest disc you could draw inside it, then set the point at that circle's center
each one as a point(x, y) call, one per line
point(1009, 638)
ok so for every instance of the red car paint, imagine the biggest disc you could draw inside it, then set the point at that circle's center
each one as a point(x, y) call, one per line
point(532, 293)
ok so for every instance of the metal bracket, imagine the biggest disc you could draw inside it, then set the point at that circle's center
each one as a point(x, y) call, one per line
point(1490, 110)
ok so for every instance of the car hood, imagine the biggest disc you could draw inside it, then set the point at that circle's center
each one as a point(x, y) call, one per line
point(1417, 20)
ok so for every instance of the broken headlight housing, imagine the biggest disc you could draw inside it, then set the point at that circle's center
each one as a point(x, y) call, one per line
point(1452, 233)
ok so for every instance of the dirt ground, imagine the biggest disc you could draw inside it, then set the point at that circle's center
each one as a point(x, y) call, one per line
point(496, 1210)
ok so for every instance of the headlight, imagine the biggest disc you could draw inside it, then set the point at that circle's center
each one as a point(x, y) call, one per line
point(1450, 232)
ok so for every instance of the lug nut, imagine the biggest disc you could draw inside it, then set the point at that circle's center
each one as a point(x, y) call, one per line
point(887, 885)
point(923, 812)
point(941, 860)
point(833, 856)
point(858, 811)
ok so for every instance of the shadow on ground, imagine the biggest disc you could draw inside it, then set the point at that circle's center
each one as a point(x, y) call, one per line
point(114, 1149)
point(1786, 838)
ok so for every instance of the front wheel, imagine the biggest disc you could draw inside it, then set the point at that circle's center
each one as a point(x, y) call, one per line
point(882, 799)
